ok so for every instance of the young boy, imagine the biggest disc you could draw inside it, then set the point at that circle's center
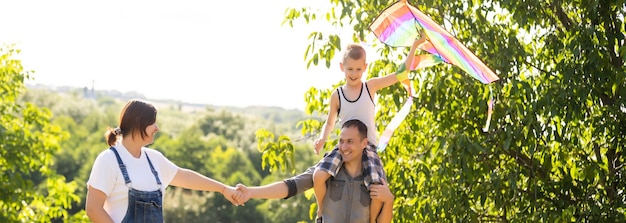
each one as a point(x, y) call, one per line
point(355, 100)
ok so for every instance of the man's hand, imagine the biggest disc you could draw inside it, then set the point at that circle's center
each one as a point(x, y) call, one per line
point(381, 192)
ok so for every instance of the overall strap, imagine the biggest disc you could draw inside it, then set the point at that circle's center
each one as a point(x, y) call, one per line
point(154, 172)
point(121, 165)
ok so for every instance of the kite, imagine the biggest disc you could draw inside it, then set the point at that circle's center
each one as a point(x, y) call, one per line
point(395, 122)
point(398, 26)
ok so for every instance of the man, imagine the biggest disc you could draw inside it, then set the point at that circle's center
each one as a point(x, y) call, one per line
point(347, 199)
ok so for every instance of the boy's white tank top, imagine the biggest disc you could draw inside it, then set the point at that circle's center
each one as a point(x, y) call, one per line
point(363, 109)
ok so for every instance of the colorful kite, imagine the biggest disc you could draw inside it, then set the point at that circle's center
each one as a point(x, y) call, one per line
point(399, 25)
point(395, 122)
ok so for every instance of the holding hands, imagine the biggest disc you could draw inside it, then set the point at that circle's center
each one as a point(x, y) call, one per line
point(243, 194)
point(237, 195)
point(231, 194)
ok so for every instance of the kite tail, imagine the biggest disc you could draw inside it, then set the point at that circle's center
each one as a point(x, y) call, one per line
point(489, 110)
point(395, 122)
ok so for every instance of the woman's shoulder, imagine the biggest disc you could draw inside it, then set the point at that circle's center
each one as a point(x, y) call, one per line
point(106, 152)
point(104, 157)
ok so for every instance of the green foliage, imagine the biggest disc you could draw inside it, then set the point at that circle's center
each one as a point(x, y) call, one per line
point(29, 141)
point(294, 209)
point(277, 152)
point(224, 124)
point(555, 149)
point(226, 152)
point(191, 207)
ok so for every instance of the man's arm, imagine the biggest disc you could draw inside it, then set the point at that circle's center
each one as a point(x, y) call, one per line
point(386, 214)
point(277, 190)
point(274, 190)
point(382, 193)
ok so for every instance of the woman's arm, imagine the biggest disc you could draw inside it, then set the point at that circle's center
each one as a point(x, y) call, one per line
point(190, 179)
point(94, 206)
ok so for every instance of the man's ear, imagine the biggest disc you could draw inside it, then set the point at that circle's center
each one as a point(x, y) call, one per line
point(364, 142)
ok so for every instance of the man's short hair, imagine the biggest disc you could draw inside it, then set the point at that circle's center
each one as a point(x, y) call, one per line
point(358, 124)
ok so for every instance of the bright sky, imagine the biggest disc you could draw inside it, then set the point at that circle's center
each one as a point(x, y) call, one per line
point(228, 53)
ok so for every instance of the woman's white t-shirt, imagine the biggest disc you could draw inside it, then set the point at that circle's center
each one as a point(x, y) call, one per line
point(107, 177)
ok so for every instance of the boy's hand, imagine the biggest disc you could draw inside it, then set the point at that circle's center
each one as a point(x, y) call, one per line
point(319, 143)
point(407, 85)
point(423, 35)
point(423, 38)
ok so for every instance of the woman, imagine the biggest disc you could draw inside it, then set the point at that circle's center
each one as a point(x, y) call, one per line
point(128, 180)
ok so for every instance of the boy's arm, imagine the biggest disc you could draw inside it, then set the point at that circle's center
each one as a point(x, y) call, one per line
point(401, 75)
point(330, 122)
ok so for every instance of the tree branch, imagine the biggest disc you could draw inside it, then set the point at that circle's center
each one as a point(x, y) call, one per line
point(606, 100)
point(608, 189)
point(565, 21)
point(612, 31)
point(529, 163)
point(542, 195)
point(536, 67)
point(492, 218)
point(526, 161)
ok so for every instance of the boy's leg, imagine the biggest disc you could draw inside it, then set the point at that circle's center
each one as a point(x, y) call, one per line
point(373, 167)
point(319, 186)
point(374, 170)
point(327, 167)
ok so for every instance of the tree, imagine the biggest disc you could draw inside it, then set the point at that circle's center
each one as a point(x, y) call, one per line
point(29, 141)
point(555, 150)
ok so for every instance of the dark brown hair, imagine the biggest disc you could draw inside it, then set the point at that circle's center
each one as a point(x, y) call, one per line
point(134, 118)
point(358, 124)
point(353, 51)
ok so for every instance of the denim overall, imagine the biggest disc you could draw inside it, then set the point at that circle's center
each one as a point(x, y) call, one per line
point(143, 206)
